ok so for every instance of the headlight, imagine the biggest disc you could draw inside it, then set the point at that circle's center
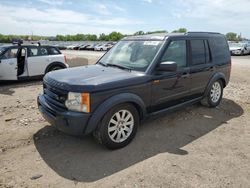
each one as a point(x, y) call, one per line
point(79, 102)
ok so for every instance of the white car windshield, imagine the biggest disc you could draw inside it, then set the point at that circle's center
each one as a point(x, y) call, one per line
point(239, 45)
point(134, 55)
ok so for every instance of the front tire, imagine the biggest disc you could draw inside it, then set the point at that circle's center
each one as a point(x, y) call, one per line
point(214, 96)
point(118, 126)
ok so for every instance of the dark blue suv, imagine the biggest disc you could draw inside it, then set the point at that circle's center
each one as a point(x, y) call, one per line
point(139, 77)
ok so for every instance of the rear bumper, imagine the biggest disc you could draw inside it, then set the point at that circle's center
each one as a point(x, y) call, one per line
point(73, 123)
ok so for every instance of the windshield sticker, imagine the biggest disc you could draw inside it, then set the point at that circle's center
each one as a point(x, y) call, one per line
point(151, 43)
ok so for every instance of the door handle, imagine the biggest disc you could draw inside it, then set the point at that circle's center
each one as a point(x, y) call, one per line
point(211, 68)
point(185, 75)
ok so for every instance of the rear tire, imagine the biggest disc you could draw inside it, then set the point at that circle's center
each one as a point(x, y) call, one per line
point(54, 68)
point(214, 96)
point(118, 126)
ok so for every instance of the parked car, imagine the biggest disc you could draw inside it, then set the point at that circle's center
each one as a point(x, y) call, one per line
point(17, 41)
point(239, 48)
point(97, 47)
point(103, 47)
point(139, 77)
point(60, 47)
point(78, 46)
point(91, 46)
point(21, 62)
point(71, 47)
point(83, 47)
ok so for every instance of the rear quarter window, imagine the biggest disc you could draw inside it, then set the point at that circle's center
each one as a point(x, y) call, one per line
point(53, 51)
point(219, 49)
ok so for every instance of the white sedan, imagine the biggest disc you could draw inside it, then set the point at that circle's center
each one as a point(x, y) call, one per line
point(103, 47)
point(239, 48)
point(21, 62)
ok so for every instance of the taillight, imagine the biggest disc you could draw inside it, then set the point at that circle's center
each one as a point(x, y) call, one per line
point(65, 59)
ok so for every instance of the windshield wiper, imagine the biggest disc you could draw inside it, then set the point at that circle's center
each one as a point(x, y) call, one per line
point(103, 64)
point(118, 66)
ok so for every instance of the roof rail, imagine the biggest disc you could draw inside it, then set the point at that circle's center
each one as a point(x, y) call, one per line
point(201, 32)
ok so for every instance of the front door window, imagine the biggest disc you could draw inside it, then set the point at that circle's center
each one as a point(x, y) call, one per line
point(176, 52)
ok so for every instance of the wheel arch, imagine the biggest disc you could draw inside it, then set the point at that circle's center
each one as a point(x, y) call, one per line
point(216, 76)
point(104, 107)
point(56, 63)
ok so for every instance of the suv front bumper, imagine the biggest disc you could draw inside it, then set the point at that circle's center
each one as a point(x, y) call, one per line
point(73, 123)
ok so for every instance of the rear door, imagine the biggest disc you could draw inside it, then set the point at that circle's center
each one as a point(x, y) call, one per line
point(38, 60)
point(201, 68)
point(8, 64)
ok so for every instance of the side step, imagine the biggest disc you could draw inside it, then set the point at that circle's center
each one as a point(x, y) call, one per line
point(176, 107)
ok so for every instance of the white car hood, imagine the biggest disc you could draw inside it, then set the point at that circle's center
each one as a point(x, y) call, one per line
point(235, 48)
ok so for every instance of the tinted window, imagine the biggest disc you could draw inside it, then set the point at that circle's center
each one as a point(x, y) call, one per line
point(10, 53)
point(176, 52)
point(53, 51)
point(207, 50)
point(33, 51)
point(42, 51)
point(219, 49)
point(198, 52)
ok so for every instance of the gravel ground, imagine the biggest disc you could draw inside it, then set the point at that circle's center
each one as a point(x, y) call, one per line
point(193, 147)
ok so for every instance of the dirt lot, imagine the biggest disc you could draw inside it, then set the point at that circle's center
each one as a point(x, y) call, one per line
point(194, 147)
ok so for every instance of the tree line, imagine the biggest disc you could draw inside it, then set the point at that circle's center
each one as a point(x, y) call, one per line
point(113, 36)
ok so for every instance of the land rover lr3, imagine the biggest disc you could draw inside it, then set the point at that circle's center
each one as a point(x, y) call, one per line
point(139, 77)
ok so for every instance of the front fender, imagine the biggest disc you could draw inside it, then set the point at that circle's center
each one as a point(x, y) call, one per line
point(110, 103)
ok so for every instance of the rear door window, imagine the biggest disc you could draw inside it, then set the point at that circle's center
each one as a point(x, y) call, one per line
point(43, 51)
point(198, 52)
point(33, 51)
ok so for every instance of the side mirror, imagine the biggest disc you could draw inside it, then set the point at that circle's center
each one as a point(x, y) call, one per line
point(167, 66)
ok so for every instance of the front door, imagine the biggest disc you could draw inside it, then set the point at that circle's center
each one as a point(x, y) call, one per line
point(8, 65)
point(171, 88)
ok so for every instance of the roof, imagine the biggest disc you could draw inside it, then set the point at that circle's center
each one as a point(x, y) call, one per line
point(164, 36)
point(26, 45)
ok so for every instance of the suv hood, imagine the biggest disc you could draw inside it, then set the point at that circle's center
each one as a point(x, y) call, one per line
point(93, 78)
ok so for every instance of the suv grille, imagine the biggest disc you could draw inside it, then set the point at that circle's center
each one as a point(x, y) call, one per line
point(55, 96)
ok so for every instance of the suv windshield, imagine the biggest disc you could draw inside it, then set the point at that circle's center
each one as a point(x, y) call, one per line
point(2, 49)
point(134, 55)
